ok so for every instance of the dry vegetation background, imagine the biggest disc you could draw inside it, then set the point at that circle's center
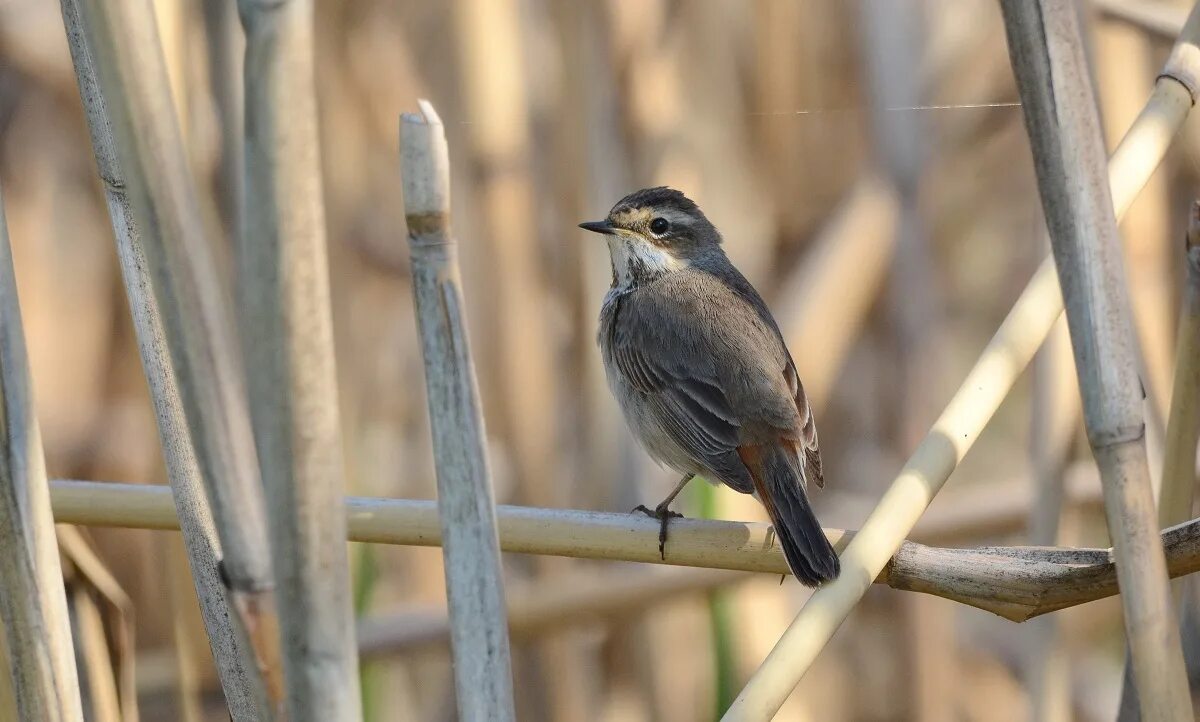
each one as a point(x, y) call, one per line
point(886, 127)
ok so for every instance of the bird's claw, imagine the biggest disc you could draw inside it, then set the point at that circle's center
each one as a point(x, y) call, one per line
point(664, 516)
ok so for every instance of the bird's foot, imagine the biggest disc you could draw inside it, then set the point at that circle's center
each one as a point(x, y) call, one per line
point(664, 516)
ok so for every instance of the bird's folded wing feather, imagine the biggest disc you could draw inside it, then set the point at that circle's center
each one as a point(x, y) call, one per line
point(693, 408)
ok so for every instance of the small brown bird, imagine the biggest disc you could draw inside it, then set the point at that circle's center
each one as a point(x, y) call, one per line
point(701, 372)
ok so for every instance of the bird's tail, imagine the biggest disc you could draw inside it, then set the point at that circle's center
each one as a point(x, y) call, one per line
point(776, 474)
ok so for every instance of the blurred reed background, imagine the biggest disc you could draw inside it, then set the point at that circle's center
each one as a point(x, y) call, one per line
point(868, 165)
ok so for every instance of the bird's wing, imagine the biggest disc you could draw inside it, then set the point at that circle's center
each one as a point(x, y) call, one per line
point(667, 364)
point(698, 414)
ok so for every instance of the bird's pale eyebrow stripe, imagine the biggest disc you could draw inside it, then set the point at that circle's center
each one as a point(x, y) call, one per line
point(630, 216)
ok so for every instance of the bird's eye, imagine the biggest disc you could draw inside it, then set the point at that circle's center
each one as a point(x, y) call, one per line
point(659, 226)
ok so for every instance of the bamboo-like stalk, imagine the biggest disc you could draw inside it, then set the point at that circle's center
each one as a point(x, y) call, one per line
point(1183, 423)
point(287, 334)
point(1175, 498)
point(474, 584)
point(548, 607)
point(33, 605)
point(980, 394)
point(973, 512)
point(1017, 583)
point(1132, 163)
point(236, 661)
point(1046, 48)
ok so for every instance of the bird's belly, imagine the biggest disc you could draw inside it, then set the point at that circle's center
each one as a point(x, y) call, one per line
point(643, 420)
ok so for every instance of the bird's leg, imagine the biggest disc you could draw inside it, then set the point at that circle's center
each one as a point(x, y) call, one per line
point(663, 513)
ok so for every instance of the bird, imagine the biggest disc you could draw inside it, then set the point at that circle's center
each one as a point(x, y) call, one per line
point(701, 372)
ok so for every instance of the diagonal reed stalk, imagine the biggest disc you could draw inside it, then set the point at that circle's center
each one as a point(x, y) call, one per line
point(474, 583)
point(122, 41)
point(235, 661)
point(1027, 325)
point(33, 602)
point(287, 332)
point(1046, 48)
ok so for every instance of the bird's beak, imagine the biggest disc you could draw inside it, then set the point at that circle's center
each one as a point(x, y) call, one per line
point(599, 227)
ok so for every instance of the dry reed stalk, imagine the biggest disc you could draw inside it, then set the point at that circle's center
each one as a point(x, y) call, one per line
point(1183, 423)
point(1017, 583)
point(99, 689)
point(520, 371)
point(967, 514)
point(1046, 48)
point(1132, 163)
point(1124, 69)
point(33, 605)
point(287, 334)
point(547, 607)
point(89, 575)
point(202, 446)
point(1175, 501)
point(1054, 421)
point(474, 583)
point(897, 512)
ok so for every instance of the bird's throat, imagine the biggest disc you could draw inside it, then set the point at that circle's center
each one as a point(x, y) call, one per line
point(636, 262)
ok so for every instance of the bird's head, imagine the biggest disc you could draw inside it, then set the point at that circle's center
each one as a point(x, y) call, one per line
point(654, 231)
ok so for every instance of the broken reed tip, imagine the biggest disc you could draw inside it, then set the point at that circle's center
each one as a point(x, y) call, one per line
point(427, 115)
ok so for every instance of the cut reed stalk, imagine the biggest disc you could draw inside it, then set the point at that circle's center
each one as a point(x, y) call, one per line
point(1017, 583)
point(33, 604)
point(474, 584)
point(1132, 163)
point(287, 333)
point(236, 664)
point(1046, 48)
point(966, 515)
